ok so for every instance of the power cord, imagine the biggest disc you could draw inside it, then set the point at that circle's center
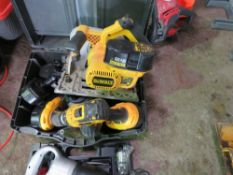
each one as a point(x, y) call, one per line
point(4, 110)
point(5, 75)
point(8, 114)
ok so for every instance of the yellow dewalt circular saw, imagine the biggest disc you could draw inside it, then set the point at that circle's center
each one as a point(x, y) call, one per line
point(89, 114)
point(117, 58)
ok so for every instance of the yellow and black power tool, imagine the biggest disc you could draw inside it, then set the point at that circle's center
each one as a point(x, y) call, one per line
point(89, 115)
point(116, 59)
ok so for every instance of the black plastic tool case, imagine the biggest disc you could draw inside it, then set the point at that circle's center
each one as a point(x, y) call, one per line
point(45, 49)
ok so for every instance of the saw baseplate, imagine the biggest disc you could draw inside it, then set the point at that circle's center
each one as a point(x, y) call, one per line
point(227, 5)
point(75, 83)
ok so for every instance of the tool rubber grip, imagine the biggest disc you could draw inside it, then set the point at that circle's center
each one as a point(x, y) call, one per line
point(138, 31)
point(78, 40)
point(126, 22)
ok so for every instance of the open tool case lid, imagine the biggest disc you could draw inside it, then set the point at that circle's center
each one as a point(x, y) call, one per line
point(47, 24)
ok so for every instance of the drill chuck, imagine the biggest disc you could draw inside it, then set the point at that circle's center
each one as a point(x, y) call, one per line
point(58, 119)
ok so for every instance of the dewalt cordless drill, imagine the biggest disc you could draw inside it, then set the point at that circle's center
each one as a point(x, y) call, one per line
point(89, 114)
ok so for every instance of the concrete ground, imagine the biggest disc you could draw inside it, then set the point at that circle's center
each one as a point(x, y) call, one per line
point(189, 89)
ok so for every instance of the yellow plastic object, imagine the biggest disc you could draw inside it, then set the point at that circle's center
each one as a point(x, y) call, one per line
point(71, 118)
point(226, 133)
point(100, 75)
point(45, 120)
point(78, 115)
point(114, 31)
point(133, 117)
point(74, 120)
point(95, 36)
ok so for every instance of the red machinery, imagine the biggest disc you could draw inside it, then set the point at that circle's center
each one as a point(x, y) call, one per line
point(9, 26)
point(5, 9)
point(171, 16)
point(188, 4)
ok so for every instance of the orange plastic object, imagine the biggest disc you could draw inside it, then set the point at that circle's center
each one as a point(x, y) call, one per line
point(45, 119)
point(131, 122)
point(186, 3)
point(226, 133)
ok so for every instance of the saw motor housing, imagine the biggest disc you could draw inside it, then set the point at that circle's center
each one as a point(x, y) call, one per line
point(116, 59)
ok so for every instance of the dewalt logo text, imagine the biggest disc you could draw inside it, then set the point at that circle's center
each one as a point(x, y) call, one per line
point(99, 81)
